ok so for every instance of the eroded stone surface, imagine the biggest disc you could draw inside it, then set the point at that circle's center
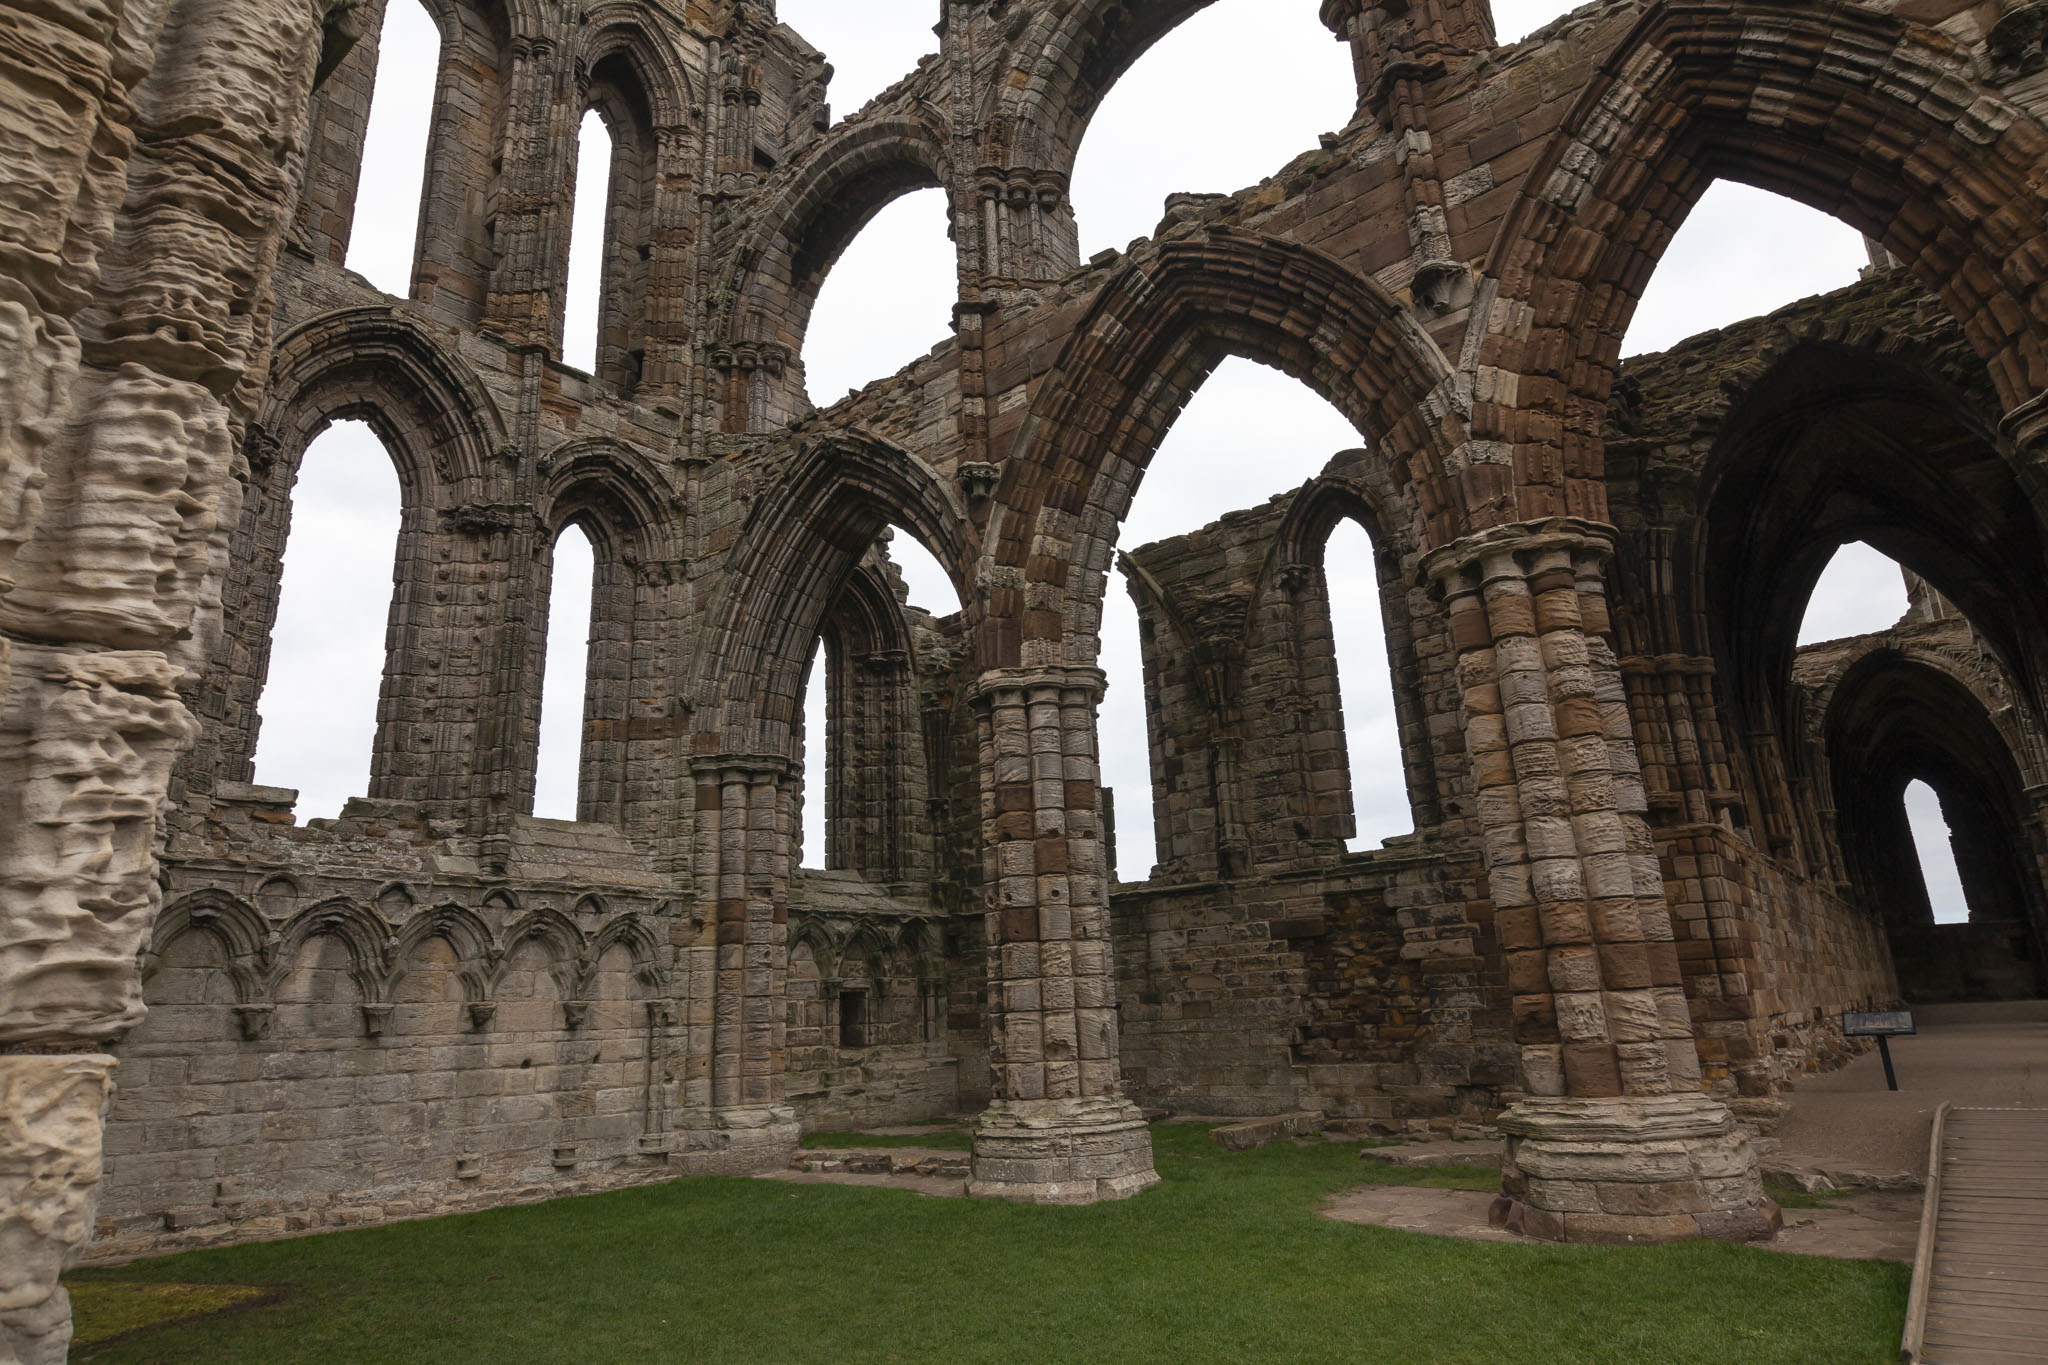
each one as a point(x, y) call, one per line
point(1656, 849)
point(50, 1112)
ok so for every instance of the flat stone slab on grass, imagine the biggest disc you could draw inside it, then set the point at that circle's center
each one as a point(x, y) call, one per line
point(1445, 1153)
point(1880, 1225)
point(1249, 1133)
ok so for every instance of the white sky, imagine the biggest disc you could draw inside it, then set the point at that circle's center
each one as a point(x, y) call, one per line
point(1183, 119)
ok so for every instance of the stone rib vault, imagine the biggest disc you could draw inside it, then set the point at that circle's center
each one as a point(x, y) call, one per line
point(1657, 848)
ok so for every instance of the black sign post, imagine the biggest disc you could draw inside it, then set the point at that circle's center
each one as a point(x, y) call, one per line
point(1882, 1025)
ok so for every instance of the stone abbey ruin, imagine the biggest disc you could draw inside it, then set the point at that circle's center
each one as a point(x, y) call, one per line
point(1657, 848)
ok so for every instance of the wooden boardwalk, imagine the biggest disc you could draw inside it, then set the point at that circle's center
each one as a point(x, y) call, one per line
point(1980, 1282)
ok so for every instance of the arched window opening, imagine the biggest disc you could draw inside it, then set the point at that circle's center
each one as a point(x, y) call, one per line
point(864, 782)
point(383, 242)
point(1742, 252)
point(558, 776)
point(1933, 842)
point(319, 703)
point(870, 47)
point(1185, 119)
point(817, 769)
point(1372, 735)
point(1861, 592)
point(1248, 434)
point(885, 301)
point(587, 262)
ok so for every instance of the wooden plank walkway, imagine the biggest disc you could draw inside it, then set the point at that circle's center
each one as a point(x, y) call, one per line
point(1980, 1292)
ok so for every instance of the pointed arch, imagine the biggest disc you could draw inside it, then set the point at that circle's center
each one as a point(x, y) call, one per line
point(362, 933)
point(761, 303)
point(476, 950)
point(1890, 130)
point(245, 938)
point(1154, 332)
point(802, 540)
point(388, 369)
point(640, 940)
point(561, 941)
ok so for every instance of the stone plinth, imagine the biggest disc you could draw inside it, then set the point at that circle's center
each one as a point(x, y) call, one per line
point(1655, 1169)
point(1076, 1151)
point(50, 1111)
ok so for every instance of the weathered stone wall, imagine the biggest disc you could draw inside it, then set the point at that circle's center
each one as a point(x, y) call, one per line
point(1623, 851)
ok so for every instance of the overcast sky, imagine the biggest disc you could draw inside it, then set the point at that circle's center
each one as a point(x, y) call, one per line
point(1183, 119)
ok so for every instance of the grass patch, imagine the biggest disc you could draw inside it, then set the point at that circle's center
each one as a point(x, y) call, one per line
point(1226, 1260)
point(104, 1310)
point(959, 1140)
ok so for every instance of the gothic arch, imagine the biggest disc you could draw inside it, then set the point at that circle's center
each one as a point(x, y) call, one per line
point(386, 368)
point(365, 936)
point(561, 941)
point(1891, 132)
point(1155, 331)
point(798, 546)
point(641, 942)
point(615, 494)
point(761, 306)
point(475, 950)
point(618, 28)
point(1062, 64)
point(244, 936)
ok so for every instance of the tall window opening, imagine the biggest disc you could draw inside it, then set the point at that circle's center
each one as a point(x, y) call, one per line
point(1932, 841)
point(327, 648)
point(1372, 735)
point(1184, 118)
point(587, 243)
point(557, 780)
point(383, 242)
point(929, 589)
point(1861, 592)
point(1248, 434)
point(887, 299)
point(1742, 252)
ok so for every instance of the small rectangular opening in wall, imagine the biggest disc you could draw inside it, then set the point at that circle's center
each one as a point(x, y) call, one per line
point(853, 1018)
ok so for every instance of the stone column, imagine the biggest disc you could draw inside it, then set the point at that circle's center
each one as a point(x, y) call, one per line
point(743, 856)
point(1614, 1141)
point(134, 330)
point(1058, 1129)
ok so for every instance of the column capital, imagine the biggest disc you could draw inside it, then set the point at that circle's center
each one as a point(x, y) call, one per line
point(1063, 678)
point(2026, 426)
point(1496, 546)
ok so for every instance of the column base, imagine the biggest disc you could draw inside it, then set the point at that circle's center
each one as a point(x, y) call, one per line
point(1061, 1151)
point(741, 1141)
point(1655, 1169)
point(49, 1191)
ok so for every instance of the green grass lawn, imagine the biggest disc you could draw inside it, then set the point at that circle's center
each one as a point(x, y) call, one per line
point(1226, 1260)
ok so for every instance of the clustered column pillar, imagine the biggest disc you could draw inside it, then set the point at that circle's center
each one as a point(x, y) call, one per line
point(1058, 1129)
point(744, 849)
point(1615, 1141)
point(134, 320)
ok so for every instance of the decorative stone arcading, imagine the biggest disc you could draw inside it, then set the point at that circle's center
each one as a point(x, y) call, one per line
point(50, 1111)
